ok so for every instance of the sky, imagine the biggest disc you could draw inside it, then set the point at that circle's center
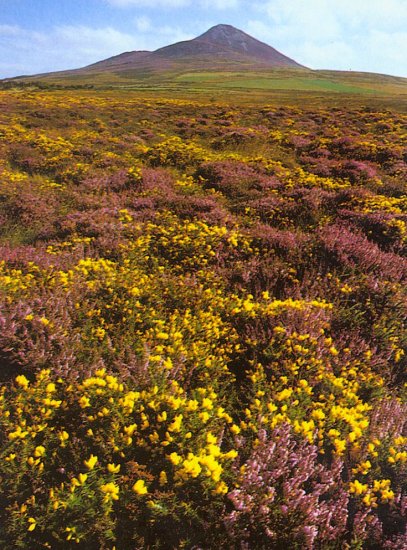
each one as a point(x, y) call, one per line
point(48, 35)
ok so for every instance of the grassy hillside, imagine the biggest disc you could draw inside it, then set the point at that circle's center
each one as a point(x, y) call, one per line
point(185, 77)
point(202, 313)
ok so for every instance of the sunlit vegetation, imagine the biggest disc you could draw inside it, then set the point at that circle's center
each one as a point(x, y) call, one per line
point(202, 324)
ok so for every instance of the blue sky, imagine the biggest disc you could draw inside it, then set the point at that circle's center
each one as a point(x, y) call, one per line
point(45, 35)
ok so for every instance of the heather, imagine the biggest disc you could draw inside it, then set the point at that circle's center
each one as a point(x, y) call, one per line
point(202, 323)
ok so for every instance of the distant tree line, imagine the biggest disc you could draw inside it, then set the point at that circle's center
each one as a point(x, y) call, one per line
point(13, 84)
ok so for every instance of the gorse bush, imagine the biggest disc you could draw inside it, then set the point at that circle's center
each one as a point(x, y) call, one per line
point(90, 457)
point(202, 325)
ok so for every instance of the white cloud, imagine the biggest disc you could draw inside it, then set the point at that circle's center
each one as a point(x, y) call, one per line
point(171, 34)
point(368, 35)
point(160, 35)
point(24, 51)
point(143, 24)
point(93, 41)
point(365, 14)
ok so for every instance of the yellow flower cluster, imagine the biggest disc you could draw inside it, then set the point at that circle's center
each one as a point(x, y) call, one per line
point(323, 407)
point(175, 152)
point(383, 203)
point(372, 495)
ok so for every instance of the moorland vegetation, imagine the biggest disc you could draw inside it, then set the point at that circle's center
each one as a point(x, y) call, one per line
point(202, 323)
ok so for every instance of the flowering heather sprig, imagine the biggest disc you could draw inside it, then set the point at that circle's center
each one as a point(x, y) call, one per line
point(389, 419)
point(235, 179)
point(355, 251)
point(284, 496)
point(30, 339)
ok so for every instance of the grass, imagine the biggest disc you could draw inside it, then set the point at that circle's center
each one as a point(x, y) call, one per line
point(262, 84)
point(271, 82)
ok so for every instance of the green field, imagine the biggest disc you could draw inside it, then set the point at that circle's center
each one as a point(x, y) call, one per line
point(243, 82)
point(262, 85)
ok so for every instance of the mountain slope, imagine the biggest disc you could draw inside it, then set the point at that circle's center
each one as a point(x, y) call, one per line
point(126, 58)
point(225, 41)
point(224, 46)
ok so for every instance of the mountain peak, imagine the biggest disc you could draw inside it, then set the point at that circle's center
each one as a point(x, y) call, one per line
point(226, 42)
point(227, 35)
point(221, 46)
point(221, 29)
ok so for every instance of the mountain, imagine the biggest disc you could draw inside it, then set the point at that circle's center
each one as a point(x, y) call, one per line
point(227, 42)
point(221, 60)
point(223, 46)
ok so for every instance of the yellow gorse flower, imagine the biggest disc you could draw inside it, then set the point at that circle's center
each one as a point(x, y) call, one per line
point(39, 451)
point(140, 487)
point(91, 462)
point(111, 491)
point(358, 488)
point(113, 468)
point(22, 381)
